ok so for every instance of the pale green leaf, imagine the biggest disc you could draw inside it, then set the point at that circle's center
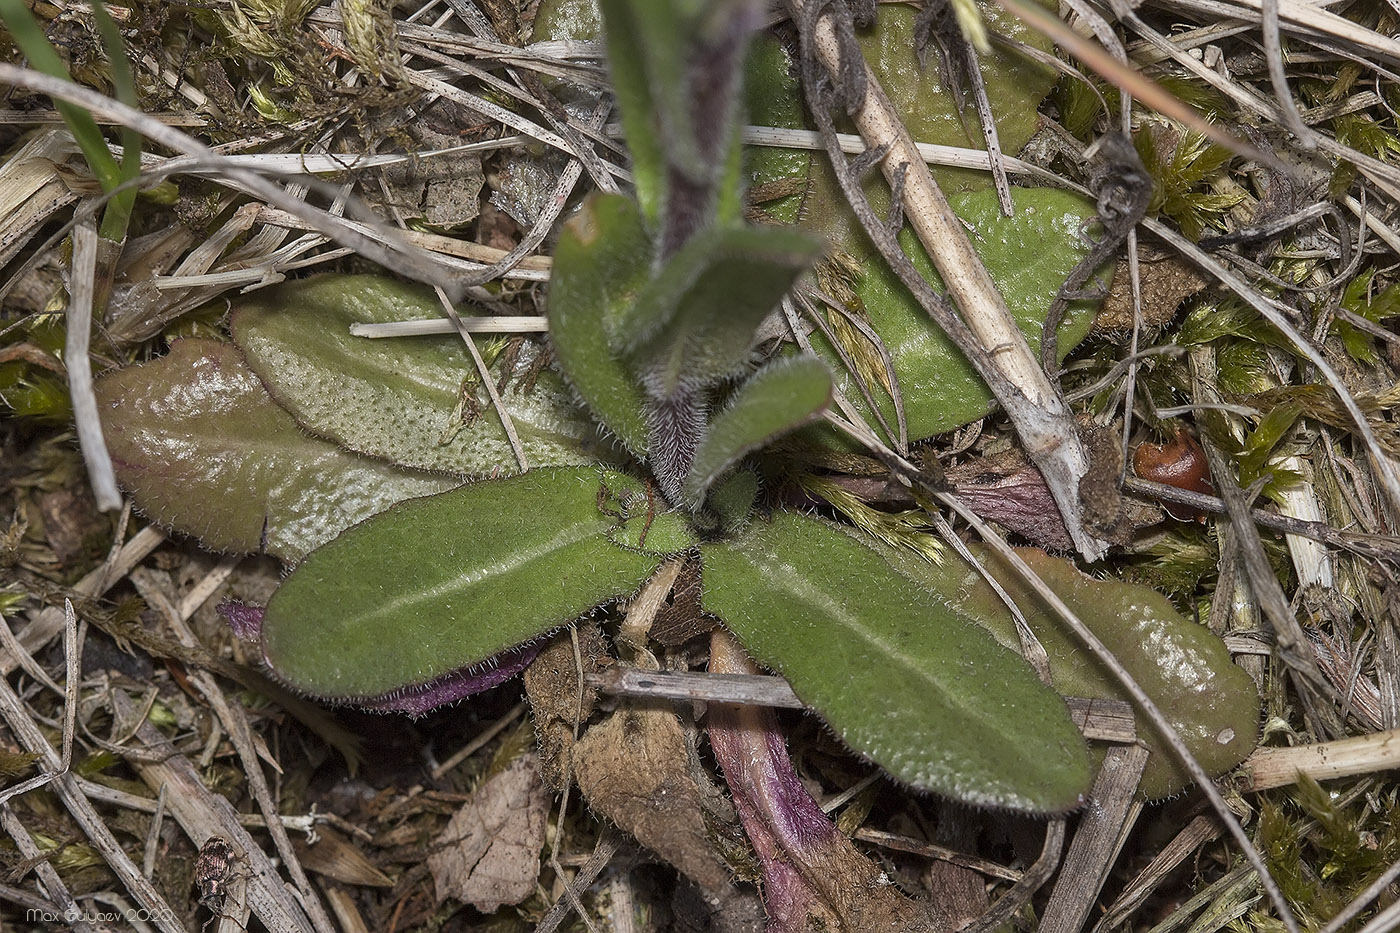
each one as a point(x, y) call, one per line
point(646, 61)
point(1028, 255)
point(781, 397)
point(603, 257)
point(773, 98)
point(400, 399)
point(927, 695)
point(437, 584)
point(202, 448)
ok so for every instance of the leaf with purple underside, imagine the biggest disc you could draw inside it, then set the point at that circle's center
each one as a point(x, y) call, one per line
point(419, 699)
point(202, 448)
point(443, 583)
point(243, 620)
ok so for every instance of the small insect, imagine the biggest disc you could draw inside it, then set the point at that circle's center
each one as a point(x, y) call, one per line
point(213, 871)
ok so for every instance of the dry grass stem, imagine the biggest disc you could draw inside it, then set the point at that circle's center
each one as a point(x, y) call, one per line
point(1278, 767)
point(1109, 818)
point(203, 814)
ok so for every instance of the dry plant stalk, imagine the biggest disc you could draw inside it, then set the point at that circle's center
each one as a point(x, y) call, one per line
point(1042, 418)
point(1278, 767)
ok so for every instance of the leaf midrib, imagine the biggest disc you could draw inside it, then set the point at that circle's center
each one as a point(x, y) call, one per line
point(516, 559)
point(785, 573)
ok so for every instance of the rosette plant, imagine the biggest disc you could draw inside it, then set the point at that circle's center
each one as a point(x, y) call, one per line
point(653, 306)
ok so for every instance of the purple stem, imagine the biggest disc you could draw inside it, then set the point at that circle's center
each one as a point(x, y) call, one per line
point(788, 830)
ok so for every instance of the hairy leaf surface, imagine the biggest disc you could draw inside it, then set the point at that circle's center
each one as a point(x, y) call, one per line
point(603, 257)
point(694, 321)
point(437, 584)
point(1185, 668)
point(400, 399)
point(202, 448)
point(781, 397)
point(928, 696)
point(1181, 664)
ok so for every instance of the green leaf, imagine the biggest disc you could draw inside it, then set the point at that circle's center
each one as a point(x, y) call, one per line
point(733, 499)
point(437, 584)
point(399, 399)
point(693, 323)
point(1186, 669)
point(900, 677)
point(1362, 299)
point(1261, 444)
point(1029, 256)
point(647, 62)
point(567, 19)
point(202, 448)
point(24, 30)
point(602, 260)
point(1016, 84)
point(773, 98)
point(781, 397)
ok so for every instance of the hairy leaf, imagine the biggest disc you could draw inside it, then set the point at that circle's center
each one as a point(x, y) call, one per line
point(692, 324)
point(202, 448)
point(647, 65)
point(414, 400)
point(603, 257)
point(928, 696)
point(1186, 670)
point(441, 583)
point(733, 499)
point(781, 397)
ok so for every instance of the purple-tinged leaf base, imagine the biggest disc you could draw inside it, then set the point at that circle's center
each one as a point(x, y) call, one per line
point(813, 877)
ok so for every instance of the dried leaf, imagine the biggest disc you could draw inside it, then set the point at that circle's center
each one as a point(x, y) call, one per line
point(489, 854)
point(336, 857)
point(632, 767)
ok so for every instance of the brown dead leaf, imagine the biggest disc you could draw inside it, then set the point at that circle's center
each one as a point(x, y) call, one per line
point(489, 854)
point(680, 618)
point(443, 192)
point(336, 857)
point(71, 522)
point(634, 769)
